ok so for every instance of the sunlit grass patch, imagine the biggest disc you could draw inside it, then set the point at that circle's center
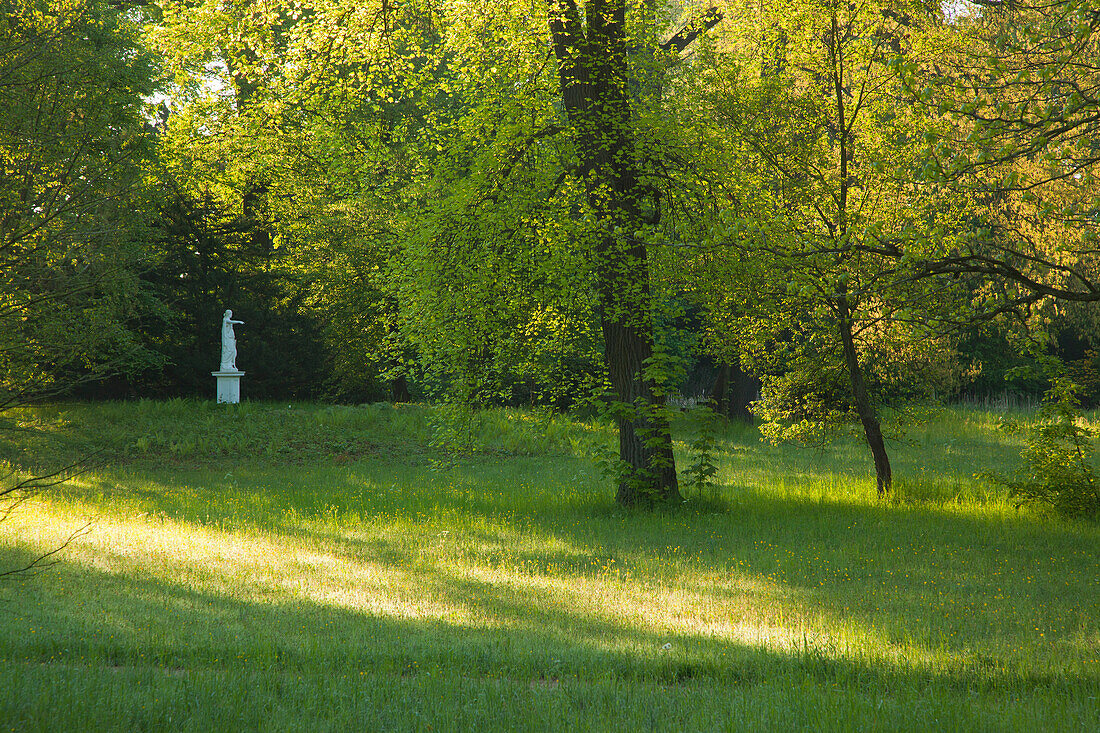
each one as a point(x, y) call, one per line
point(512, 580)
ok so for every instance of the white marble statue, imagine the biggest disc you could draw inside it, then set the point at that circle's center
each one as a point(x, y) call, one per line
point(229, 343)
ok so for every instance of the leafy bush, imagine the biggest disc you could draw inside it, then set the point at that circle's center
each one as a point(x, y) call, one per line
point(805, 405)
point(1058, 470)
point(701, 474)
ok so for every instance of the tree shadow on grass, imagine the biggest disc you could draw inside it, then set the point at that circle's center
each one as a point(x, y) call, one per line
point(131, 621)
point(969, 587)
point(930, 574)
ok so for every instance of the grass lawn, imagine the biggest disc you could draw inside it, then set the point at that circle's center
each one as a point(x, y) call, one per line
point(301, 567)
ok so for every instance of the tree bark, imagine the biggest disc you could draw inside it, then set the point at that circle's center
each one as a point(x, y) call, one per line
point(592, 72)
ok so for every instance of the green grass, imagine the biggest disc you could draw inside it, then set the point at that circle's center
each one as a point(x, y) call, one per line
point(304, 567)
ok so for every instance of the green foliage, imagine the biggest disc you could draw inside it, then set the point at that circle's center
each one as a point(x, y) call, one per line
point(73, 146)
point(1019, 144)
point(805, 405)
point(295, 142)
point(811, 248)
point(700, 475)
point(1085, 373)
point(997, 355)
point(1059, 472)
point(806, 392)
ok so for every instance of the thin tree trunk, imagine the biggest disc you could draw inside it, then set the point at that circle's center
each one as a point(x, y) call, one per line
point(868, 416)
point(872, 429)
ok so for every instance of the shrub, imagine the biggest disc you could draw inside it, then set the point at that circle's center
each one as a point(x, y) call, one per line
point(1058, 470)
point(701, 475)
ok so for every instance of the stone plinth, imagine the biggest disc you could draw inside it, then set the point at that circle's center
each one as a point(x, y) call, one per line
point(229, 386)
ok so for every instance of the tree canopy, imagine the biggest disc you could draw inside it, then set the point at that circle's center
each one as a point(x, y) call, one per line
point(560, 202)
point(74, 151)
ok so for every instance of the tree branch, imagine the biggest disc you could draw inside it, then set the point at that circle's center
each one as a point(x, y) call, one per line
point(695, 27)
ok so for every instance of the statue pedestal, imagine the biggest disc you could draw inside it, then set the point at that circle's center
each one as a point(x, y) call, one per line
point(229, 386)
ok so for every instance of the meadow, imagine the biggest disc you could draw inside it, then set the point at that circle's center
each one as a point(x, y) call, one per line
point(306, 567)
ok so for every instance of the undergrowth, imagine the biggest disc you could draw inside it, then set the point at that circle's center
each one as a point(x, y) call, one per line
point(1058, 470)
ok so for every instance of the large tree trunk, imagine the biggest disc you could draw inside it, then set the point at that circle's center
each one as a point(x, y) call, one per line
point(645, 440)
point(872, 429)
point(592, 70)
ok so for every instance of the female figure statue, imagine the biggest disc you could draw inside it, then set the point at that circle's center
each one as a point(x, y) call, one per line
point(229, 343)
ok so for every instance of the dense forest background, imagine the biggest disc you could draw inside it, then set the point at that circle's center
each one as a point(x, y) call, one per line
point(834, 208)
